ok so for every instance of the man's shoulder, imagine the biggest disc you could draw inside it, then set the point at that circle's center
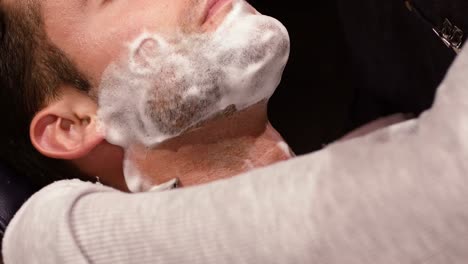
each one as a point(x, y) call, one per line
point(59, 193)
point(43, 223)
point(53, 200)
point(64, 187)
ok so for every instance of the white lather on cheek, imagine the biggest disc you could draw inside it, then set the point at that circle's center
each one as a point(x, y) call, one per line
point(163, 86)
point(142, 49)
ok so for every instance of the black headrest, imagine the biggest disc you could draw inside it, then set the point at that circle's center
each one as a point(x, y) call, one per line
point(14, 191)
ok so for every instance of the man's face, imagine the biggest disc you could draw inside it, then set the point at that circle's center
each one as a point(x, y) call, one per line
point(93, 33)
point(160, 68)
point(166, 84)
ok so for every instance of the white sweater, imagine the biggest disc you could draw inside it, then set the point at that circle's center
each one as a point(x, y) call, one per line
point(397, 196)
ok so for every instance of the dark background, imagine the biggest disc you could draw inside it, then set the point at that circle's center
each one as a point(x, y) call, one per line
point(352, 62)
point(309, 108)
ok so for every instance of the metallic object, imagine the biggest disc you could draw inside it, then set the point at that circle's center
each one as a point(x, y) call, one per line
point(451, 35)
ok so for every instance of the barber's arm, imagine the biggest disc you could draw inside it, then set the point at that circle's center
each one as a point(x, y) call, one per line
point(380, 199)
point(398, 195)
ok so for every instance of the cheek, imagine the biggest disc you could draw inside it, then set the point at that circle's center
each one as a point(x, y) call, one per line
point(107, 37)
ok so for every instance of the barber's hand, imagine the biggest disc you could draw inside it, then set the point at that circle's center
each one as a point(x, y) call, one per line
point(376, 125)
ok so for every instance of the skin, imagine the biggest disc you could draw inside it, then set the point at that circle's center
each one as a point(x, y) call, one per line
point(219, 149)
point(94, 34)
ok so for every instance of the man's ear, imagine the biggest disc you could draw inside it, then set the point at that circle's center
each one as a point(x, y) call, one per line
point(66, 127)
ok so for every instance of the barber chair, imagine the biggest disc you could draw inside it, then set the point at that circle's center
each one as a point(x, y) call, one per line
point(14, 191)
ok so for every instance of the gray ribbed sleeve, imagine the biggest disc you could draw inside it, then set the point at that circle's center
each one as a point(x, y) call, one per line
point(397, 196)
point(385, 204)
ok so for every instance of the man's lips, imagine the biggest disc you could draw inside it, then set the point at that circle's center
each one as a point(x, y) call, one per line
point(213, 6)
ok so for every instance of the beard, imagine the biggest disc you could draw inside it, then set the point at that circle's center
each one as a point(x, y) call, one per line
point(169, 85)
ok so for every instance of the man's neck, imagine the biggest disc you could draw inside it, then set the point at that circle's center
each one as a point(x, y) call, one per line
point(219, 149)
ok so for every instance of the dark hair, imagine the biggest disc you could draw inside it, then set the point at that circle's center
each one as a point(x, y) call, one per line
point(31, 70)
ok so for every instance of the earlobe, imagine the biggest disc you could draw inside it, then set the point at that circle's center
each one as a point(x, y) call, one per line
point(65, 129)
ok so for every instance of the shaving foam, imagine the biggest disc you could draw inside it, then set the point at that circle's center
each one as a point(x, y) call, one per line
point(167, 85)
